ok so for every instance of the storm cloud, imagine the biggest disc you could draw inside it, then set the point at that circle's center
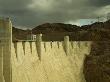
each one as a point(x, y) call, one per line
point(30, 13)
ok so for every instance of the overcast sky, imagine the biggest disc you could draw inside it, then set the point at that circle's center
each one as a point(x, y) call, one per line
point(30, 13)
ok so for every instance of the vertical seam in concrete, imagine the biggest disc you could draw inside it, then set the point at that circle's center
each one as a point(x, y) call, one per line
point(45, 46)
point(58, 44)
point(23, 43)
point(72, 44)
point(15, 46)
point(79, 44)
point(31, 46)
point(51, 44)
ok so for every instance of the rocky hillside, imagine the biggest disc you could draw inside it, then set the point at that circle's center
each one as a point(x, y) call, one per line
point(56, 31)
point(19, 34)
point(54, 28)
point(49, 30)
point(97, 64)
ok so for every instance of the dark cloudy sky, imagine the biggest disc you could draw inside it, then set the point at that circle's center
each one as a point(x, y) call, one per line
point(30, 13)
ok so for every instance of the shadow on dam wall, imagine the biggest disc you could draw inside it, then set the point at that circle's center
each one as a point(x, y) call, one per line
point(97, 64)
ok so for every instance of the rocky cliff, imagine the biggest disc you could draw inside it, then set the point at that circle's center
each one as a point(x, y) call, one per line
point(97, 64)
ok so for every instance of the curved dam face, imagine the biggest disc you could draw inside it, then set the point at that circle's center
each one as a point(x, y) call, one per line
point(39, 61)
point(49, 61)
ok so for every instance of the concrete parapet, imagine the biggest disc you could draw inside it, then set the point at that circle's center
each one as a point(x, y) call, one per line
point(1, 63)
point(38, 44)
point(66, 44)
point(6, 40)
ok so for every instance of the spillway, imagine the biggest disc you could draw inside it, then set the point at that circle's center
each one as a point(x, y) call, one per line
point(53, 66)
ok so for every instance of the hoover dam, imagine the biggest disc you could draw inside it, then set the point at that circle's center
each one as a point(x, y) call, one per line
point(41, 61)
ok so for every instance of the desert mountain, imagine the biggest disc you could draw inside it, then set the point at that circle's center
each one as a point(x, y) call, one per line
point(56, 31)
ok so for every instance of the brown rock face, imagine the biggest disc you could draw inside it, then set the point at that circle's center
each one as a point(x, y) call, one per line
point(54, 28)
point(97, 65)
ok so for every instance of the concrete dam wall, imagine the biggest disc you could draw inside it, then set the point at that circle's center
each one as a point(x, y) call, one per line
point(39, 61)
point(54, 64)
